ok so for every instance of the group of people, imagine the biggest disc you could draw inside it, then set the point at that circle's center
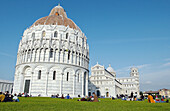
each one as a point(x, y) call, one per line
point(6, 97)
point(62, 96)
point(93, 98)
point(151, 99)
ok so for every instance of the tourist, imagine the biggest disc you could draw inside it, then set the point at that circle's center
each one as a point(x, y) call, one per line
point(62, 97)
point(2, 97)
point(142, 97)
point(57, 95)
point(67, 97)
point(26, 95)
point(95, 98)
point(82, 99)
point(19, 95)
point(8, 97)
point(52, 96)
point(15, 98)
point(150, 99)
point(88, 99)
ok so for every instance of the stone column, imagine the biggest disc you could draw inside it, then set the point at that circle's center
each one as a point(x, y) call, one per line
point(0, 87)
point(30, 90)
point(66, 57)
point(44, 55)
point(54, 55)
point(7, 87)
point(74, 58)
point(35, 54)
point(71, 57)
point(61, 83)
point(58, 56)
point(4, 87)
point(47, 55)
point(46, 85)
point(21, 57)
point(86, 84)
point(21, 83)
point(10, 88)
point(82, 84)
point(74, 76)
point(24, 56)
point(61, 56)
point(39, 54)
point(31, 54)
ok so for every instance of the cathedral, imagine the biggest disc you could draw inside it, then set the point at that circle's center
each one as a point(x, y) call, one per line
point(53, 58)
point(105, 83)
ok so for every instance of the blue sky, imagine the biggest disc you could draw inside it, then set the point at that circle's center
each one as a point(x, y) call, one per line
point(123, 33)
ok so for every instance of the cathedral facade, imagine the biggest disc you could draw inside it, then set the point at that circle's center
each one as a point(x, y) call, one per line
point(52, 58)
point(105, 83)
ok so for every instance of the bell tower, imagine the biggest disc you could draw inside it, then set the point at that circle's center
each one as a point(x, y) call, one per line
point(135, 74)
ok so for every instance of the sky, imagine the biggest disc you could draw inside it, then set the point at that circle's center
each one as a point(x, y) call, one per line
point(123, 33)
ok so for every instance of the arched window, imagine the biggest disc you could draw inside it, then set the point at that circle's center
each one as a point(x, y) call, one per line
point(66, 35)
point(68, 55)
point(67, 76)
point(55, 34)
point(54, 74)
point(29, 53)
point(51, 53)
point(39, 74)
point(43, 34)
point(33, 35)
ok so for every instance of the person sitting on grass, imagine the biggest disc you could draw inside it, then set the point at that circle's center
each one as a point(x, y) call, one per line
point(2, 97)
point(95, 98)
point(82, 99)
point(67, 97)
point(8, 97)
point(57, 95)
point(15, 98)
point(52, 96)
point(19, 95)
point(62, 97)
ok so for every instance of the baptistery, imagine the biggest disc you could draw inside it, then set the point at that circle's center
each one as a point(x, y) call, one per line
point(52, 58)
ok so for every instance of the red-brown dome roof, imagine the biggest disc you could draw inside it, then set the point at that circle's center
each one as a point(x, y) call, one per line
point(57, 16)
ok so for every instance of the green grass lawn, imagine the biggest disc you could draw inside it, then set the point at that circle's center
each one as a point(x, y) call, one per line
point(54, 104)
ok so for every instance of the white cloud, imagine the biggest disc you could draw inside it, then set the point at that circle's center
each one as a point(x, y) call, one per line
point(7, 55)
point(142, 66)
point(148, 82)
point(155, 80)
point(124, 71)
point(166, 64)
point(168, 59)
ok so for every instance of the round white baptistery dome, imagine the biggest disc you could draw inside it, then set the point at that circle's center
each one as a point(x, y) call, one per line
point(52, 58)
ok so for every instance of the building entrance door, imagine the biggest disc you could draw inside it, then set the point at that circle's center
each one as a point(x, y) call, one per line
point(89, 93)
point(27, 86)
point(98, 93)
